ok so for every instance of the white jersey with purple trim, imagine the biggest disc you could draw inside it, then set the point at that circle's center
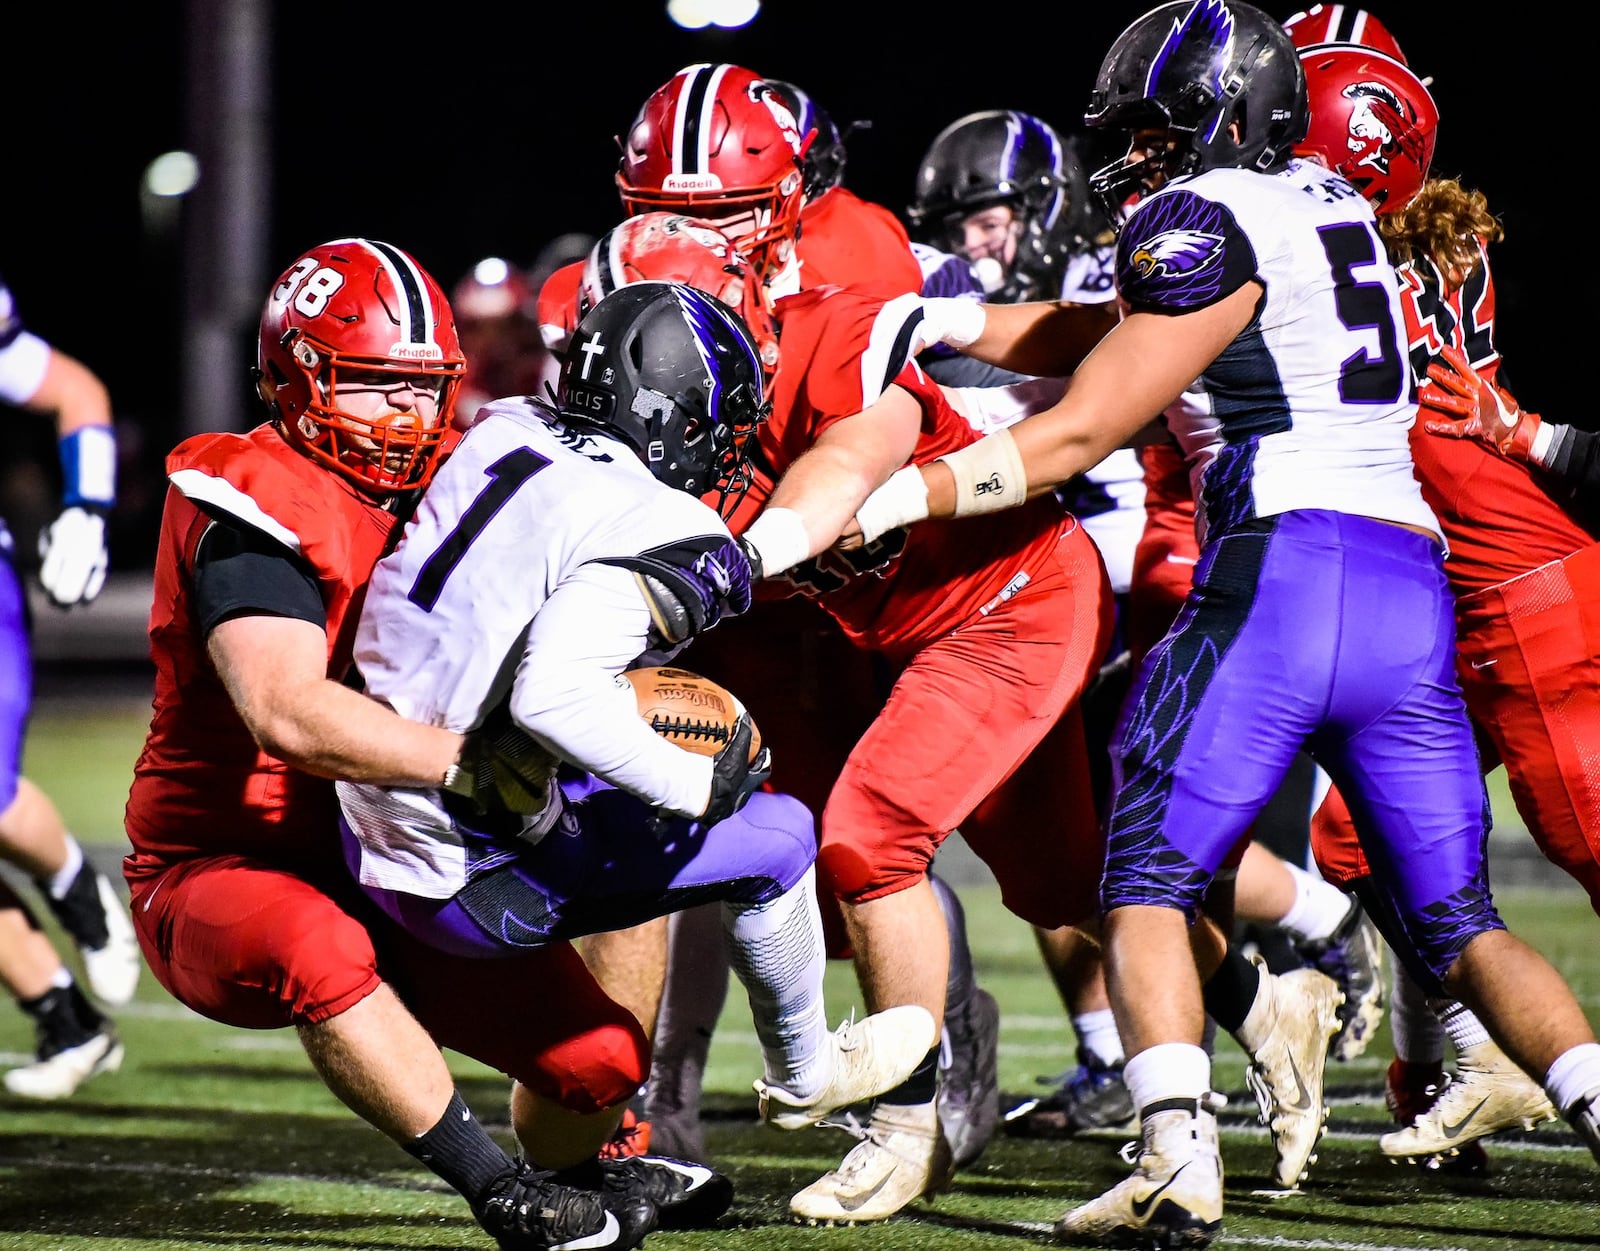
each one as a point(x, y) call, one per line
point(1311, 406)
point(506, 580)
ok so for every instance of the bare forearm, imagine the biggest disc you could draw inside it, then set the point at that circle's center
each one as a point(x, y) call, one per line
point(1041, 339)
point(334, 732)
point(825, 487)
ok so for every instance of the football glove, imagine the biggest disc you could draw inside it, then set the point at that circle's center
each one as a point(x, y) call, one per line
point(72, 552)
point(734, 776)
point(501, 769)
point(1459, 402)
point(956, 321)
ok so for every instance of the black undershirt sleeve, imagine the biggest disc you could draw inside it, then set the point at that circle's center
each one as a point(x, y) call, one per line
point(241, 572)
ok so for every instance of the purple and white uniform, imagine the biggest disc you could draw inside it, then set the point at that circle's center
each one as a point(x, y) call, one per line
point(1320, 617)
point(514, 584)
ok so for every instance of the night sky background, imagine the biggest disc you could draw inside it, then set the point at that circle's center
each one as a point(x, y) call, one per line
point(489, 129)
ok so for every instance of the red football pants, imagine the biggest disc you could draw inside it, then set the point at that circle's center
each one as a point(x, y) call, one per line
point(253, 946)
point(964, 715)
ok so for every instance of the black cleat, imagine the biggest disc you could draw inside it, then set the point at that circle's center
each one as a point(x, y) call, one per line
point(685, 1195)
point(526, 1210)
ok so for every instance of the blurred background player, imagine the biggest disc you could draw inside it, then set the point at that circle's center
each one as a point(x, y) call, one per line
point(75, 1039)
point(497, 319)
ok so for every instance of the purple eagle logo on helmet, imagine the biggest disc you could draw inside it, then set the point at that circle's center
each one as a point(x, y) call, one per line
point(1209, 23)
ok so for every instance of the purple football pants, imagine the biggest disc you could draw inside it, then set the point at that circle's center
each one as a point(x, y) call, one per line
point(16, 672)
point(606, 865)
point(1332, 633)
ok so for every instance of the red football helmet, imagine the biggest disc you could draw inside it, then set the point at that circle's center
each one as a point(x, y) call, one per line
point(718, 142)
point(1372, 120)
point(364, 307)
point(1342, 23)
point(668, 247)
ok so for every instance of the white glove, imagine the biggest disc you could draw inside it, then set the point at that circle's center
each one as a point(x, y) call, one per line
point(956, 321)
point(73, 549)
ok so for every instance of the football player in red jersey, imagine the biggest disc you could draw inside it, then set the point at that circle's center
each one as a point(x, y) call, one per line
point(1524, 569)
point(991, 633)
point(764, 163)
point(244, 908)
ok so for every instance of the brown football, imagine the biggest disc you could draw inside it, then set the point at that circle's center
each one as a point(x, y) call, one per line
point(688, 709)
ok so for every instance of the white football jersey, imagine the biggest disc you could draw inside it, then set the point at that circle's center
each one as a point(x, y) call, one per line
point(501, 583)
point(1311, 406)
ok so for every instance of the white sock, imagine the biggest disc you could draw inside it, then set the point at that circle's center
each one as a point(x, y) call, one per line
point(60, 881)
point(1575, 1073)
point(1319, 906)
point(778, 955)
point(1167, 1071)
point(1463, 1026)
point(1097, 1034)
point(1413, 1024)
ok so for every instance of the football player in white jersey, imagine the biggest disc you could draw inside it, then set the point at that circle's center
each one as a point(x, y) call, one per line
point(1320, 615)
point(559, 546)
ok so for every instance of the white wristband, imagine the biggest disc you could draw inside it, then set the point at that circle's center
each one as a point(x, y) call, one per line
point(989, 475)
point(900, 501)
point(953, 321)
point(779, 538)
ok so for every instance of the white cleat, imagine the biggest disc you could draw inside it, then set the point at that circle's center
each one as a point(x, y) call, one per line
point(1486, 1094)
point(1173, 1198)
point(113, 970)
point(902, 1156)
point(870, 1056)
point(1286, 1037)
point(58, 1075)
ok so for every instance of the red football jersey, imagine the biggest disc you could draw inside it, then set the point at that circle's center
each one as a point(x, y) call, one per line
point(851, 242)
point(1497, 517)
point(912, 585)
point(201, 784)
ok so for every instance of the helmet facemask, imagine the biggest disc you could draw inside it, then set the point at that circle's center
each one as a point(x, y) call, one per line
point(390, 451)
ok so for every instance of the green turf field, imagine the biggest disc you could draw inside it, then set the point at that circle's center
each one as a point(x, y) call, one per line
point(216, 1138)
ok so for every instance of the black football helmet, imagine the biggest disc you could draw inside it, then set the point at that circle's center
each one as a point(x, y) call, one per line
point(674, 374)
point(1001, 156)
point(824, 159)
point(1197, 68)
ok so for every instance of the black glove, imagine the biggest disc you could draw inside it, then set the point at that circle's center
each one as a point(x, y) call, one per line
point(734, 776)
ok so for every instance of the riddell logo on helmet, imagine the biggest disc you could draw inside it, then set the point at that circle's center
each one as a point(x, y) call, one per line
point(691, 182)
point(415, 352)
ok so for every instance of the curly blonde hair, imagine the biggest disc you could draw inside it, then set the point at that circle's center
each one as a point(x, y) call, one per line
point(1443, 222)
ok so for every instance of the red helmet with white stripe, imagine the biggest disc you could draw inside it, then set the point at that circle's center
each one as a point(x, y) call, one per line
point(718, 142)
point(358, 312)
point(1342, 23)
